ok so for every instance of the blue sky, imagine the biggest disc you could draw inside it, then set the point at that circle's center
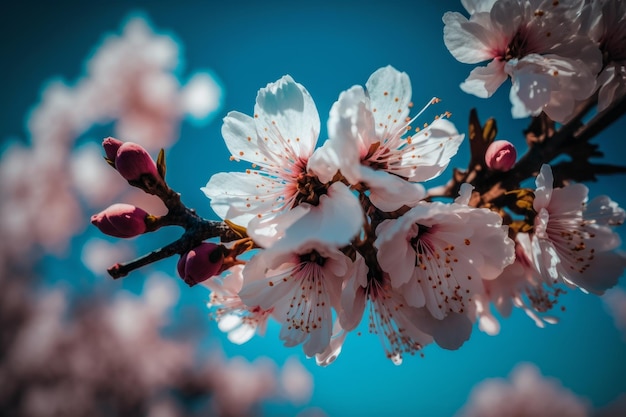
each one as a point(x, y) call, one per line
point(327, 46)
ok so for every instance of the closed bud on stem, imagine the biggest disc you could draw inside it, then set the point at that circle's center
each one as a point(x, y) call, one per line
point(200, 263)
point(133, 162)
point(500, 155)
point(111, 145)
point(121, 220)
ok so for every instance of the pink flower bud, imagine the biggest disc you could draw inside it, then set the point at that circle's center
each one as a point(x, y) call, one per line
point(200, 263)
point(500, 155)
point(121, 220)
point(133, 161)
point(111, 145)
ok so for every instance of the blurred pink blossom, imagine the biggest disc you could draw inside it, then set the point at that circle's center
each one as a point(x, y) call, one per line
point(130, 81)
point(526, 394)
point(615, 303)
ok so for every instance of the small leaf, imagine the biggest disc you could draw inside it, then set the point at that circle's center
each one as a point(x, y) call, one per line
point(161, 163)
point(110, 161)
point(490, 130)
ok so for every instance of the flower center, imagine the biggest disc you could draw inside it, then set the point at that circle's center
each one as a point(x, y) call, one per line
point(313, 257)
point(421, 229)
point(373, 157)
point(517, 48)
point(310, 189)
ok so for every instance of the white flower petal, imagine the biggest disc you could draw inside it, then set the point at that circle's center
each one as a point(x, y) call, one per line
point(239, 132)
point(389, 192)
point(543, 191)
point(390, 94)
point(335, 221)
point(484, 81)
point(475, 6)
point(236, 196)
point(286, 114)
point(430, 151)
point(241, 334)
point(229, 322)
point(397, 259)
point(469, 42)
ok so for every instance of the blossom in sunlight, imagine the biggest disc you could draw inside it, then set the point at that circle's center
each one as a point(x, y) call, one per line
point(519, 285)
point(438, 254)
point(390, 317)
point(573, 240)
point(234, 317)
point(301, 286)
point(370, 141)
point(535, 43)
point(526, 394)
point(607, 27)
point(283, 192)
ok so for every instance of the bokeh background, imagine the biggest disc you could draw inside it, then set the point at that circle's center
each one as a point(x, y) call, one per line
point(327, 46)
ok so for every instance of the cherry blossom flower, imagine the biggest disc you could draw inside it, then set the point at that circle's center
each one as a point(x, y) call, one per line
point(536, 43)
point(369, 141)
point(300, 286)
point(573, 241)
point(234, 317)
point(519, 285)
point(438, 254)
point(607, 27)
point(527, 394)
point(284, 192)
point(390, 316)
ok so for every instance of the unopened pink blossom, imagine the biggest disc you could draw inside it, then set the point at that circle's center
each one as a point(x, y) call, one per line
point(500, 155)
point(200, 263)
point(133, 162)
point(111, 145)
point(121, 220)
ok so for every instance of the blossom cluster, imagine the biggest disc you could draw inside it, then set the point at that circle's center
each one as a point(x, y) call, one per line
point(556, 53)
point(346, 227)
point(334, 228)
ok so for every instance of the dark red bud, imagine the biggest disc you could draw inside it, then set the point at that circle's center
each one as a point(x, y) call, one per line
point(121, 220)
point(111, 145)
point(200, 263)
point(133, 161)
